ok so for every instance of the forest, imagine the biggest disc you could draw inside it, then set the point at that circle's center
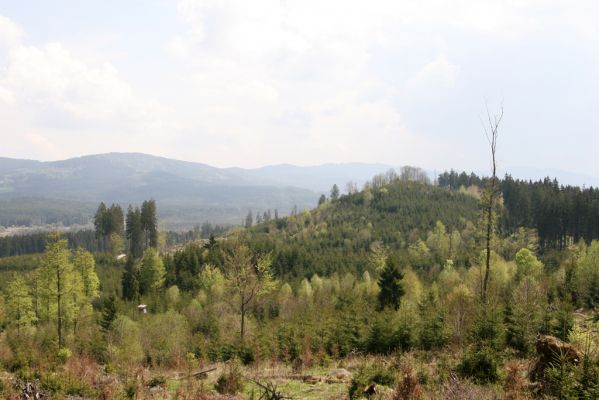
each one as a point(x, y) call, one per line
point(467, 288)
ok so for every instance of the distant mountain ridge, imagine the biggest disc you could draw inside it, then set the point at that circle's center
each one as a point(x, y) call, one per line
point(186, 192)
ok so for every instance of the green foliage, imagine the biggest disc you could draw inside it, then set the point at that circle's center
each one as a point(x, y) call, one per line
point(481, 365)
point(60, 287)
point(337, 238)
point(149, 223)
point(433, 333)
point(19, 304)
point(130, 280)
point(134, 231)
point(231, 380)
point(390, 286)
point(528, 264)
point(372, 371)
point(109, 313)
point(151, 273)
point(63, 355)
point(389, 334)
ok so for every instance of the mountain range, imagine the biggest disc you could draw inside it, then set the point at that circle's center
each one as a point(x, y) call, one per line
point(186, 192)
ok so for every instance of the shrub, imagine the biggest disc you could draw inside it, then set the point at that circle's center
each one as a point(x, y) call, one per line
point(387, 336)
point(157, 381)
point(374, 371)
point(481, 365)
point(230, 381)
point(63, 355)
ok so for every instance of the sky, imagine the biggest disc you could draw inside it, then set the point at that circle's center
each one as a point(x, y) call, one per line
point(252, 83)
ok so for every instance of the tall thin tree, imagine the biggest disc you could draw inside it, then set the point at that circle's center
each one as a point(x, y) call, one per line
point(492, 132)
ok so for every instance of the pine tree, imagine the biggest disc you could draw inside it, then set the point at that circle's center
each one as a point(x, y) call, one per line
point(391, 287)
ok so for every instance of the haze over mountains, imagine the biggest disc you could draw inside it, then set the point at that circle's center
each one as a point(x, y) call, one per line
point(67, 191)
point(187, 192)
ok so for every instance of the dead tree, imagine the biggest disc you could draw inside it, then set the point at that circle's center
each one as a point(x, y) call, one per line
point(491, 132)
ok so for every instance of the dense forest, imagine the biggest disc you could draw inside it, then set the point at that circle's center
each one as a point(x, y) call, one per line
point(562, 215)
point(378, 294)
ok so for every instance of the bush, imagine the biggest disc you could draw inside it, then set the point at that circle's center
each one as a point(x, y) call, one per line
point(230, 381)
point(157, 381)
point(387, 336)
point(80, 389)
point(480, 365)
point(375, 371)
point(63, 355)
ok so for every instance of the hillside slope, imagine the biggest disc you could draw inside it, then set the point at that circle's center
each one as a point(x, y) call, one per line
point(337, 236)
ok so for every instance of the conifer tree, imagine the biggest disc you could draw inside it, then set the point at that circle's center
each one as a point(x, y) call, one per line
point(149, 223)
point(335, 192)
point(109, 312)
point(391, 286)
point(134, 232)
point(130, 280)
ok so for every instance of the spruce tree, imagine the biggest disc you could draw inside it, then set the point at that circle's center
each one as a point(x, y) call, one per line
point(108, 313)
point(130, 280)
point(149, 223)
point(135, 232)
point(391, 287)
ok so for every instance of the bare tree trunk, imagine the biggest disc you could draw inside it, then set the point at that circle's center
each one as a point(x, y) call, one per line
point(58, 301)
point(242, 333)
point(492, 137)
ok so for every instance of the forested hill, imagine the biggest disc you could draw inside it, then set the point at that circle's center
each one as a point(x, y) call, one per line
point(339, 235)
point(562, 215)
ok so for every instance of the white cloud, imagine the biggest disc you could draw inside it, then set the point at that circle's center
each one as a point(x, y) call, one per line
point(438, 74)
point(60, 101)
point(10, 33)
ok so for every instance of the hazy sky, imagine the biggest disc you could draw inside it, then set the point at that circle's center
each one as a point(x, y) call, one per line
point(250, 83)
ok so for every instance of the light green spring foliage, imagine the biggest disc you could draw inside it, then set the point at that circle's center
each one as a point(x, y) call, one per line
point(285, 294)
point(172, 297)
point(527, 265)
point(412, 286)
point(86, 266)
point(165, 338)
point(438, 241)
point(587, 272)
point(586, 338)
point(19, 304)
point(247, 279)
point(59, 280)
point(377, 257)
point(212, 281)
point(124, 347)
point(116, 242)
point(152, 272)
point(459, 306)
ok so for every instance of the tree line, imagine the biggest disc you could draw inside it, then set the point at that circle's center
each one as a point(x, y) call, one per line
point(562, 215)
